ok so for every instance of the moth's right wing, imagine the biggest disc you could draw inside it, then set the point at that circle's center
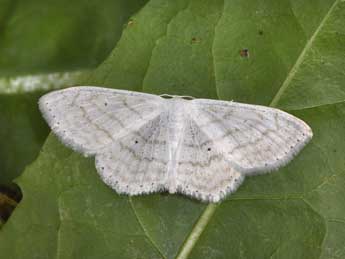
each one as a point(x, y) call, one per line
point(88, 119)
point(254, 138)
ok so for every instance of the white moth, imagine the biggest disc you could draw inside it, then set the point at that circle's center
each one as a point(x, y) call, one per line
point(145, 143)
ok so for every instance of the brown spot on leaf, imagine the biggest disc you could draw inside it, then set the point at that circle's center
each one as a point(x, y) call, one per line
point(244, 53)
point(195, 40)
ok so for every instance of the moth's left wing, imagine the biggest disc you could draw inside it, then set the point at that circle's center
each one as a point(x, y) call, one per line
point(253, 138)
point(89, 119)
point(202, 170)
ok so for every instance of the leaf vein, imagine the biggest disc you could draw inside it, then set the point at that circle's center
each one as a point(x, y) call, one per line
point(300, 59)
point(144, 229)
point(213, 54)
point(156, 44)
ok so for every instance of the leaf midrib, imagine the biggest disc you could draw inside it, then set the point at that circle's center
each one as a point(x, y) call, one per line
point(209, 211)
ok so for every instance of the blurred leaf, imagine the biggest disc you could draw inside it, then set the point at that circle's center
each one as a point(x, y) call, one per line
point(194, 48)
point(40, 37)
point(22, 133)
point(23, 130)
point(38, 82)
point(48, 36)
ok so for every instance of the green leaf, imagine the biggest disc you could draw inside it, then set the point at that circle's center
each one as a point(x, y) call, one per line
point(193, 48)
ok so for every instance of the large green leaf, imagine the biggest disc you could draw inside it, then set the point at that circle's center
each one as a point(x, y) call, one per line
point(193, 48)
point(39, 37)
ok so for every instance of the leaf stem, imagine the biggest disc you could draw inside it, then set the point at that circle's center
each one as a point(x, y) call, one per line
point(198, 229)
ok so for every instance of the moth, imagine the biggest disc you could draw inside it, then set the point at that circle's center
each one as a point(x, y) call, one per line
point(145, 143)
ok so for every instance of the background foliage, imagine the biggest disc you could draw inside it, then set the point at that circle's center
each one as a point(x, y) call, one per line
point(296, 62)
